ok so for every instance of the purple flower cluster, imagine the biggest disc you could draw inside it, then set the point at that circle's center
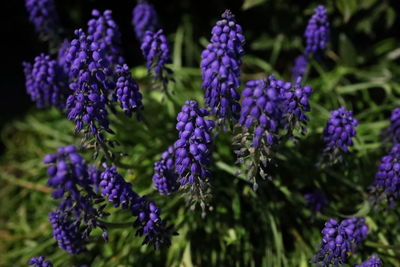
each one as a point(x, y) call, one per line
point(394, 129)
point(155, 49)
point(316, 200)
point(67, 172)
point(89, 71)
point(220, 66)
point(127, 91)
point(165, 178)
point(317, 31)
point(300, 67)
point(106, 33)
point(372, 261)
point(387, 178)
point(193, 148)
point(269, 106)
point(45, 82)
point(67, 232)
point(229, 34)
point(120, 193)
point(340, 239)
point(40, 262)
point(339, 133)
point(44, 16)
point(144, 18)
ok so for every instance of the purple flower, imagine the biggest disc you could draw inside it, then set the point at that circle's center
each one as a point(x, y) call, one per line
point(394, 129)
point(155, 49)
point(144, 18)
point(106, 33)
point(67, 232)
point(193, 149)
point(339, 240)
point(316, 200)
point(90, 83)
point(300, 67)
point(229, 34)
point(45, 82)
point(373, 261)
point(67, 172)
point(387, 178)
point(165, 178)
point(127, 91)
point(44, 16)
point(62, 56)
point(295, 106)
point(317, 31)
point(220, 66)
point(221, 79)
point(40, 262)
point(148, 221)
point(339, 133)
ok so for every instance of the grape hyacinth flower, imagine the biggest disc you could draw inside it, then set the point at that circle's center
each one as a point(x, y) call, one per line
point(229, 34)
point(165, 178)
point(106, 33)
point(127, 91)
point(339, 133)
point(67, 173)
point(193, 150)
point(394, 129)
point(316, 200)
point(45, 82)
point(295, 105)
point(119, 192)
point(90, 72)
point(340, 239)
point(317, 32)
point(40, 262)
point(387, 179)
point(62, 56)
point(300, 67)
point(144, 18)
point(220, 67)
point(221, 79)
point(373, 261)
point(44, 16)
point(67, 232)
point(155, 49)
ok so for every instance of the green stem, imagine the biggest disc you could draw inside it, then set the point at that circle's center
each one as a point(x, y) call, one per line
point(377, 245)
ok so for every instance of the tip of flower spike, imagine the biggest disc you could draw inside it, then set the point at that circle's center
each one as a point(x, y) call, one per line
point(228, 15)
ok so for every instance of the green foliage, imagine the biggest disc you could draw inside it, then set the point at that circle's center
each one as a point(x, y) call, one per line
point(270, 227)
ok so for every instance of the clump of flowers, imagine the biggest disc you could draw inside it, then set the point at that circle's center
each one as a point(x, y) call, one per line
point(44, 16)
point(317, 32)
point(193, 151)
point(316, 200)
point(373, 261)
point(90, 85)
point(106, 32)
point(45, 82)
point(40, 262)
point(155, 49)
point(165, 178)
point(338, 134)
point(387, 179)
point(127, 91)
point(144, 18)
point(339, 240)
point(119, 192)
point(269, 106)
point(300, 67)
point(220, 66)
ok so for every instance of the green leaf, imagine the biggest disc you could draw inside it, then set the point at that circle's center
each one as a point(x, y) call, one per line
point(347, 8)
point(347, 52)
point(247, 4)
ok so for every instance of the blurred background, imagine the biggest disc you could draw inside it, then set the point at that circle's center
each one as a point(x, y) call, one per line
point(361, 70)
